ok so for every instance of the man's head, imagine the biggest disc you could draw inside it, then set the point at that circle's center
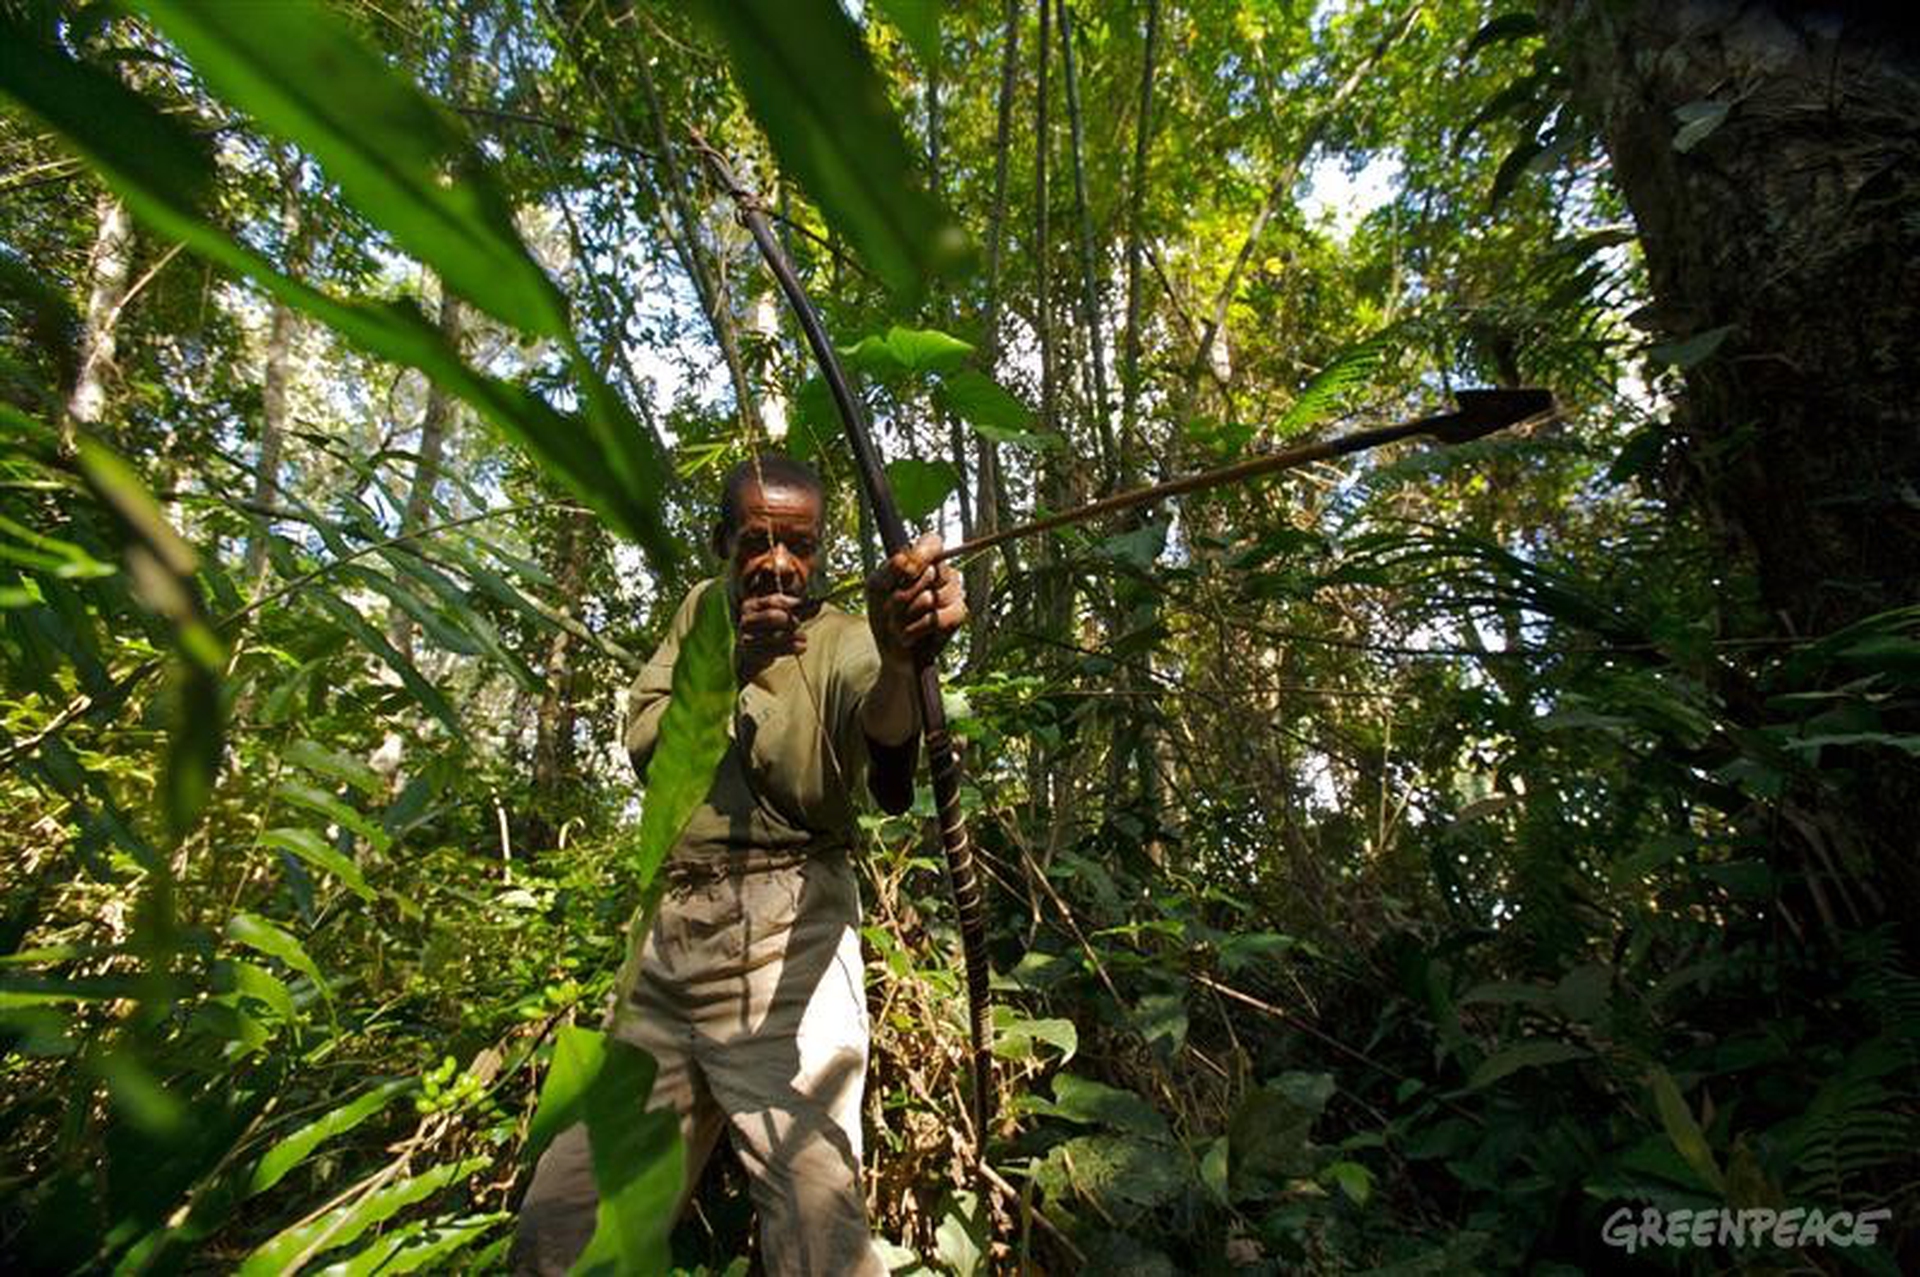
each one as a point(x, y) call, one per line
point(772, 517)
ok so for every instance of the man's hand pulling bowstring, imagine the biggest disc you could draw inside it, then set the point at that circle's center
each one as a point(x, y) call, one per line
point(915, 604)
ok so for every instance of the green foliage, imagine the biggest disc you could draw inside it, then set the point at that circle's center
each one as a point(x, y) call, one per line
point(1400, 869)
point(812, 87)
point(603, 1083)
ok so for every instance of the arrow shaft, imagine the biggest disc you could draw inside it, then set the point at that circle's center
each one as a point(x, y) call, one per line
point(1252, 468)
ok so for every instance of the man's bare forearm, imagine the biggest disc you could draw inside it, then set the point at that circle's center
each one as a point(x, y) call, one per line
point(891, 712)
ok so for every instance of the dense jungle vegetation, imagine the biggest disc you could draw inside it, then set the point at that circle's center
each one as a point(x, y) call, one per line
point(1404, 865)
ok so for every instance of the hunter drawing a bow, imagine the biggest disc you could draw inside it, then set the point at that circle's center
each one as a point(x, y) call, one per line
point(893, 535)
point(1478, 413)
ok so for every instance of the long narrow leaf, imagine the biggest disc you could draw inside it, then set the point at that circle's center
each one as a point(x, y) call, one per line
point(394, 154)
point(316, 851)
point(807, 76)
point(297, 1147)
point(265, 937)
point(409, 1249)
point(693, 733)
point(604, 456)
point(345, 1224)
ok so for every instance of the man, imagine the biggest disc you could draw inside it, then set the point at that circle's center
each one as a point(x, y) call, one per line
point(748, 991)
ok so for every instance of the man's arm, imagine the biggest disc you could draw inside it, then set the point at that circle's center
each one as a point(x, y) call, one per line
point(913, 608)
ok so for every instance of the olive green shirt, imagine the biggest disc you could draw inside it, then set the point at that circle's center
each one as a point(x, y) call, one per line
point(797, 750)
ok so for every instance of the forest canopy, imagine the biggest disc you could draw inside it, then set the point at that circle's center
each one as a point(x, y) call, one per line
point(1405, 863)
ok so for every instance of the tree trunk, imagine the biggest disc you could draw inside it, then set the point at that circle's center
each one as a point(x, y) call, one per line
point(108, 268)
point(434, 423)
point(988, 495)
point(273, 391)
point(553, 753)
point(1091, 317)
point(1136, 204)
point(1788, 229)
point(956, 430)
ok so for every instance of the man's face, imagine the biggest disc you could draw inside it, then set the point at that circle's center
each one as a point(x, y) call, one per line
point(778, 541)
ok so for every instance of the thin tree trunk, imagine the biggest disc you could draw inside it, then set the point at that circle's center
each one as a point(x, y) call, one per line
point(989, 496)
point(1130, 443)
point(1048, 585)
point(279, 358)
point(108, 268)
point(956, 430)
point(554, 723)
point(434, 424)
point(1091, 319)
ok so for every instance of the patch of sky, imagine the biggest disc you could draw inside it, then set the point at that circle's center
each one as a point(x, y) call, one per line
point(1341, 193)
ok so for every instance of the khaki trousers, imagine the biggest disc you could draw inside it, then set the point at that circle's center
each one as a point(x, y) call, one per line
point(749, 995)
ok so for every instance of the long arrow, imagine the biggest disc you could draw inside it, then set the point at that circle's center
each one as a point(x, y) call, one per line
point(933, 719)
point(1480, 413)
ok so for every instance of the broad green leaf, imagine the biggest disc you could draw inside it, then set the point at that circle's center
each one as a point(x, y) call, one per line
point(920, 486)
point(297, 1147)
point(693, 735)
point(147, 150)
point(398, 157)
point(637, 1169)
point(1214, 1164)
point(961, 1241)
point(1524, 1055)
point(1090, 1103)
point(1353, 1179)
point(260, 984)
point(604, 455)
point(345, 1223)
point(1015, 1037)
point(1162, 1020)
point(1678, 1121)
point(1269, 1135)
point(1509, 993)
point(919, 22)
point(264, 937)
point(804, 70)
point(334, 765)
point(908, 350)
point(1683, 353)
point(1697, 121)
point(637, 1158)
point(316, 851)
point(325, 804)
point(414, 1247)
point(1121, 1172)
point(578, 1055)
point(990, 409)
